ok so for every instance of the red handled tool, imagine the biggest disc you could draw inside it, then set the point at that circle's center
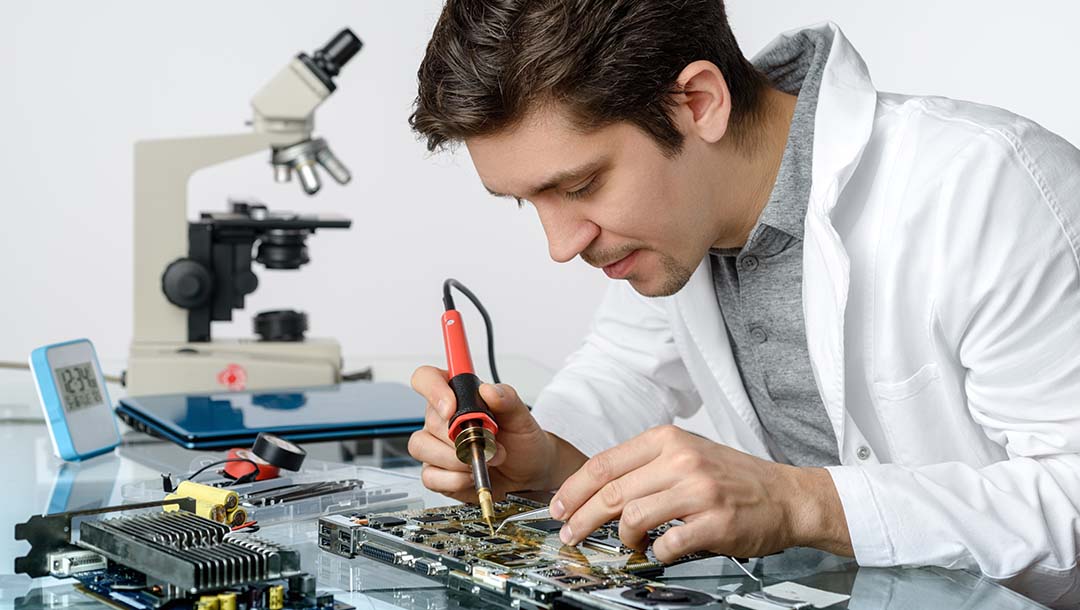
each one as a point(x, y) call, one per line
point(472, 428)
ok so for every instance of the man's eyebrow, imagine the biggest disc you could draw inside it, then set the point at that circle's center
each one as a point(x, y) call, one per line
point(560, 177)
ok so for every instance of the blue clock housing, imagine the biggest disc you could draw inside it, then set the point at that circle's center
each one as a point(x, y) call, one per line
point(74, 399)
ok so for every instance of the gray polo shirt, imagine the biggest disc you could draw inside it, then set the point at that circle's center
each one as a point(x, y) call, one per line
point(759, 287)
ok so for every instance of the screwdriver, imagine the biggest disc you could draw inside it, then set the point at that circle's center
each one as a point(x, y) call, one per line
point(472, 428)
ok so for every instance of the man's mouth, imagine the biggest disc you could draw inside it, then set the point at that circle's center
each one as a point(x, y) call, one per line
point(621, 268)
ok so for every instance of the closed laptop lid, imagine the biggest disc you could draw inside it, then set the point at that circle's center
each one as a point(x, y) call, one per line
point(351, 406)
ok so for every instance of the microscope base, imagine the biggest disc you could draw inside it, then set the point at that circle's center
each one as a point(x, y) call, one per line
point(230, 365)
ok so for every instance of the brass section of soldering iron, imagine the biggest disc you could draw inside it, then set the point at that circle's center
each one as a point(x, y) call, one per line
point(475, 445)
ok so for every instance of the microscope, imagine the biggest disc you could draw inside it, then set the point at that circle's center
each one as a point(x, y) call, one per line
point(189, 274)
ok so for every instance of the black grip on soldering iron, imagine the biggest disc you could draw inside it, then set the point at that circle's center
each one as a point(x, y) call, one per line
point(470, 405)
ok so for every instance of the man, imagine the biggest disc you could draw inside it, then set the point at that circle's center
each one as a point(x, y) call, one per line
point(875, 297)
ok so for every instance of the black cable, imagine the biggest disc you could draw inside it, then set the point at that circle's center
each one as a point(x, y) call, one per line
point(25, 366)
point(448, 302)
point(236, 481)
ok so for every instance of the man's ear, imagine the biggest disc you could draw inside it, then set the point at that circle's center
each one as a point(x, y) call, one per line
point(703, 104)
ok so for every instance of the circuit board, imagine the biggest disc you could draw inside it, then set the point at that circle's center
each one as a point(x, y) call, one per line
point(525, 563)
point(126, 589)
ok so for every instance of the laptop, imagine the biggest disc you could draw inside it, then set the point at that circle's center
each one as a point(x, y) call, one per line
point(215, 421)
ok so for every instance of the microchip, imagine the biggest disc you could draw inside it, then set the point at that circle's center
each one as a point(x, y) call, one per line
point(450, 530)
point(383, 522)
point(429, 519)
point(497, 541)
point(547, 526)
point(476, 534)
point(507, 559)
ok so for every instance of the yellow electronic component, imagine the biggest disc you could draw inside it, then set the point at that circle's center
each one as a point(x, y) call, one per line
point(207, 494)
point(237, 517)
point(275, 599)
point(226, 601)
point(207, 602)
point(213, 512)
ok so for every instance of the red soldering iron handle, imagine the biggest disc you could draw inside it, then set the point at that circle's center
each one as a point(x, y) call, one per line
point(463, 381)
point(458, 359)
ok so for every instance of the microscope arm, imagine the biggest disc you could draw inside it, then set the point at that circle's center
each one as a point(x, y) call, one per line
point(162, 171)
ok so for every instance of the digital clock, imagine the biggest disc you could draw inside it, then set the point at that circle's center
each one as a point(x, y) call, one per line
point(74, 399)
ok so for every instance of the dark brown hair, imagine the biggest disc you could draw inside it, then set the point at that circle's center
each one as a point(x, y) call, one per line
point(489, 62)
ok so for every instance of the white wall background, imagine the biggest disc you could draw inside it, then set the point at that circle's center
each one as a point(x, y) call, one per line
point(80, 81)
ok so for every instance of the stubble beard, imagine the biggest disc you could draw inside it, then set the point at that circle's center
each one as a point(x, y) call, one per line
point(676, 275)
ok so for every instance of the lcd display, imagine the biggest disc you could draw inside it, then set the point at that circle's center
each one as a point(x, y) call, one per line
point(78, 386)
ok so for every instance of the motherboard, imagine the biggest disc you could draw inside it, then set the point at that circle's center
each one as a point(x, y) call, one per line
point(523, 564)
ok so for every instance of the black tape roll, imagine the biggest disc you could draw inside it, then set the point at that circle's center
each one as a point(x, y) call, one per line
point(278, 452)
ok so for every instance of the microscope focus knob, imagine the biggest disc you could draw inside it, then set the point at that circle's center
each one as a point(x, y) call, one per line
point(187, 284)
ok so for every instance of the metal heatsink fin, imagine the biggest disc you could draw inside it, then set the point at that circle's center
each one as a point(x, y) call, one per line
point(188, 551)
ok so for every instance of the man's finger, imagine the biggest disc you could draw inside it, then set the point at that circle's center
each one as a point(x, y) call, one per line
point(643, 514)
point(431, 383)
point(425, 448)
point(601, 469)
point(446, 481)
point(683, 540)
point(436, 425)
point(608, 503)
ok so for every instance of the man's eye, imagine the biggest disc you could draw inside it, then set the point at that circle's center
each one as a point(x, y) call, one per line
point(581, 192)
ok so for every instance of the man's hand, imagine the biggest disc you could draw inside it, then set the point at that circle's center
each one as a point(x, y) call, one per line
point(731, 502)
point(526, 457)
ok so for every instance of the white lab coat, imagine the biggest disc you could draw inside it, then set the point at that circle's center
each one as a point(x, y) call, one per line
point(941, 293)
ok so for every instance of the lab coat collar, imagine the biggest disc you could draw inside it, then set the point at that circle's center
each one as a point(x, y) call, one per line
point(845, 109)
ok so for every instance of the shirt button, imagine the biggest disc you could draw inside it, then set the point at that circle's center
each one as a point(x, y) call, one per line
point(758, 334)
point(750, 263)
point(863, 453)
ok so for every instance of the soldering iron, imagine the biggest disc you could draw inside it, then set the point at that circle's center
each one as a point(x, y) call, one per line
point(472, 428)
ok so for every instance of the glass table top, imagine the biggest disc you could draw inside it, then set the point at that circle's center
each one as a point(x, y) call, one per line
point(34, 479)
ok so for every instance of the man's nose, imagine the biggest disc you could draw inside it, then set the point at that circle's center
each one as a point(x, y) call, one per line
point(568, 233)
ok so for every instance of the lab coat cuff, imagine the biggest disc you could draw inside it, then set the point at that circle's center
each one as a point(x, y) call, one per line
point(866, 525)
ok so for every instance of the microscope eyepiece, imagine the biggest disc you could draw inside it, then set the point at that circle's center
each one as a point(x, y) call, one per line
point(338, 52)
point(327, 62)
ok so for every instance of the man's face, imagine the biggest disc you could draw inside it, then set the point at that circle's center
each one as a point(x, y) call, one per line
point(610, 196)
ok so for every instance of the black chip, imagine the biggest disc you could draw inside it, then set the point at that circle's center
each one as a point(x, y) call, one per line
point(548, 526)
point(498, 541)
point(506, 559)
point(386, 521)
point(477, 534)
point(429, 519)
point(450, 530)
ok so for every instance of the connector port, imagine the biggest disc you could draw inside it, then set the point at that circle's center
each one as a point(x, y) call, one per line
point(378, 553)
